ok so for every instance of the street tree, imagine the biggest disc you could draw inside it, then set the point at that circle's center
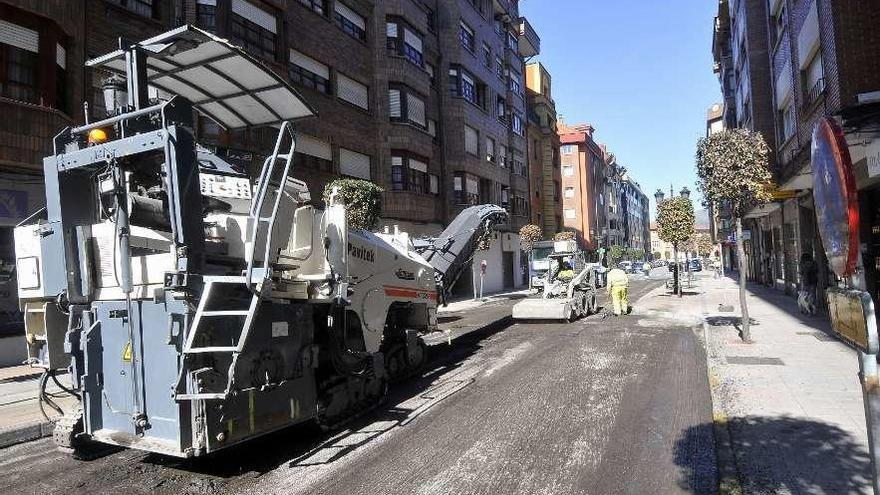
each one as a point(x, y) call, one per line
point(362, 200)
point(528, 235)
point(675, 220)
point(615, 255)
point(701, 244)
point(733, 169)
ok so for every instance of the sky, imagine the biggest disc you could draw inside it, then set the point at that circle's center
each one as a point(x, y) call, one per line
point(639, 71)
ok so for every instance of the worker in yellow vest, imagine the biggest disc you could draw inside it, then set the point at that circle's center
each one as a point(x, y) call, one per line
point(617, 287)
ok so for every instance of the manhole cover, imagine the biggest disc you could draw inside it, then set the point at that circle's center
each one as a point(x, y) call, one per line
point(754, 361)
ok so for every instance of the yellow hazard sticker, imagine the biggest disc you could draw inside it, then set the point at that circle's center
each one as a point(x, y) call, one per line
point(126, 352)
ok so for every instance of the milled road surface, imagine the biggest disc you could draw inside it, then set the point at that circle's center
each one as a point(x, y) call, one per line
point(599, 406)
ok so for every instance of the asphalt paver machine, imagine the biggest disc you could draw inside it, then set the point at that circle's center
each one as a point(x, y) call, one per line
point(562, 298)
point(195, 305)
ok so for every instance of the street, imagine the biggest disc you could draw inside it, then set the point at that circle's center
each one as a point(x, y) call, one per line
point(599, 406)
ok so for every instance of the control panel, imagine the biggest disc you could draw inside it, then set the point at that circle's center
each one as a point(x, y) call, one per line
point(224, 186)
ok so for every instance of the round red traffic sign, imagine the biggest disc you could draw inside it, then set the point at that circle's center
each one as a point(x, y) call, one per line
point(836, 197)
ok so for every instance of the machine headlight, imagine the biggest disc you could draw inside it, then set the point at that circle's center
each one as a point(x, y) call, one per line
point(29, 273)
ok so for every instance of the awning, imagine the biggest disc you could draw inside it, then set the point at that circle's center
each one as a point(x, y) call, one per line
point(222, 81)
point(762, 210)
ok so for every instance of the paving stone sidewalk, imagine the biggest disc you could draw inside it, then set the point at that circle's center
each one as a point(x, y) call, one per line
point(791, 400)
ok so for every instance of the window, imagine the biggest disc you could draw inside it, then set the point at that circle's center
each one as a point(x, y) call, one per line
point(471, 140)
point(499, 67)
point(466, 189)
point(409, 172)
point(432, 127)
point(505, 197)
point(350, 21)
point(312, 153)
point(570, 214)
point(780, 22)
point(517, 124)
point(254, 29)
point(354, 164)
point(569, 192)
point(142, 7)
point(409, 45)
point(464, 85)
point(406, 106)
point(502, 155)
point(514, 78)
point(518, 165)
point(429, 19)
point(567, 149)
point(501, 109)
point(499, 28)
point(814, 79)
point(206, 14)
point(308, 72)
point(487, 55)
point(429, 68)
point(490, 149)
point(349, 90)
point(786, 117)
point(319, 6)
point(568, 170)
point(466, 35)
point(19, 63)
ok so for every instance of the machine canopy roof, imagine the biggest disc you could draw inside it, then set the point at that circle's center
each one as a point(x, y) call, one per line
point(222, 81)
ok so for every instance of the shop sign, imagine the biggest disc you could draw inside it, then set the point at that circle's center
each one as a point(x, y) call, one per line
point(872, 154)
point(836, 197)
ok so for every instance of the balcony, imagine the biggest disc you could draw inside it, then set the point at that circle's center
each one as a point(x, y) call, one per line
point(529, 42)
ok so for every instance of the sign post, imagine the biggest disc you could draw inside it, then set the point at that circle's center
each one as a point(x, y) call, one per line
point(851, 308)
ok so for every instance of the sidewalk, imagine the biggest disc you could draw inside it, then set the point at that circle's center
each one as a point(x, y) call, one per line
point(20, 418)
point(466, 316)
point(791, 400)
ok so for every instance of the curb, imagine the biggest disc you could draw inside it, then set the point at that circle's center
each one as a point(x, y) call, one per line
point(729, 482)
point(25, 433)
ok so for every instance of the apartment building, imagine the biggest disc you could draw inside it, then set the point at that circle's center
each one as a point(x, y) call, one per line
point(543, 158)
point(824, 59)
point(584, 199)
point(635, 211)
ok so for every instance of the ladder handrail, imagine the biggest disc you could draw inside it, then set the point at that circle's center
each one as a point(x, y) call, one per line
point(257, 207)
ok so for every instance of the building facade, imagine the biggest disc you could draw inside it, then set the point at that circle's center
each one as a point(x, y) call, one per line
point(824, 59)
point(545, 174)
point(426, 98)
point(583, 184)
point(635, 210)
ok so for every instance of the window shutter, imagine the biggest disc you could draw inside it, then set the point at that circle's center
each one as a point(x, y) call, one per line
point(394, 102)
point(470, 140)
point(391, 29)
point(354, 164)
point(490, 146)
point(19, 37)
point(309, 64)
point(207, 2)
point(256, 15)
point(432, 127)
point(418, 165)
point(349, 14)
point(412, 39)
point(60, 56)
point(308, 145)
point(352, 91)
point(415, 109)
point(473, 186)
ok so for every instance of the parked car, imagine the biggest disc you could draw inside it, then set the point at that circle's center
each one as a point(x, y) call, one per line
point(696, 265)
point(625, 266)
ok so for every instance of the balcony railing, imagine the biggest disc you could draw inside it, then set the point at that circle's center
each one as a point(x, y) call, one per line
point(529, 42)
point(814, 93)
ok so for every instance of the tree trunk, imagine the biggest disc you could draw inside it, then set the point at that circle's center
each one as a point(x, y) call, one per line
point(676, 276)
point(741, 262)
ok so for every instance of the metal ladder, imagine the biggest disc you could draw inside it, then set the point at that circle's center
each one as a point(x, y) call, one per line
point(255, 278)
